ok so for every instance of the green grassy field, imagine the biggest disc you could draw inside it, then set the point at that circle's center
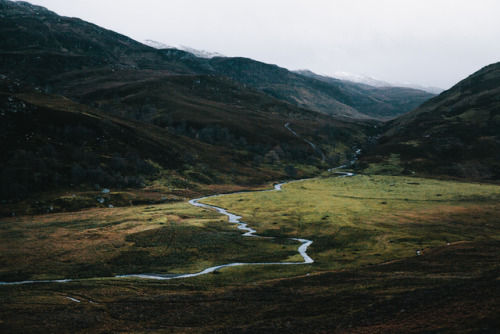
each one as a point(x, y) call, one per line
point(371, 219)
point(366, 278)
point(169, 238)
point(353, 221)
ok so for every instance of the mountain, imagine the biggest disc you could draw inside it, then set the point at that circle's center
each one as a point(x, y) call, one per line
point(82, 106)
point(332, 97)
point(196, 52)
point(353, 77)
point(38, 45)
point(454, 134)
point(384, 102)
point(364, 79)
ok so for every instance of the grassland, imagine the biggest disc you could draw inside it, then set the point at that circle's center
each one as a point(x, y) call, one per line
point(366, 278)
point(371, 219)
point(169, 238)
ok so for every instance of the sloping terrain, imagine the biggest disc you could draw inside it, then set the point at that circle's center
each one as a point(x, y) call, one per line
point(378, 102)
point(51, 142)
point(82, 105)
point(37, 45)
point(456, 133)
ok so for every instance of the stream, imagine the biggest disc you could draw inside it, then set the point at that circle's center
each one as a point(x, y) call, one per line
point(233, 218)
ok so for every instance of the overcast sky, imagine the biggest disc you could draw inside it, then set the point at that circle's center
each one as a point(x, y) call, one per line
point(428, 42)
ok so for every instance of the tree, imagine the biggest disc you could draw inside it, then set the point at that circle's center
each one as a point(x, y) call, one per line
point(273, 157)
point(290, 170)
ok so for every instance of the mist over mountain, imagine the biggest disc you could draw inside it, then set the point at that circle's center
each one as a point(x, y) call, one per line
point(375, 99)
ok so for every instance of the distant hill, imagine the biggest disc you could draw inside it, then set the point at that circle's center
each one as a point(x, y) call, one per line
point(456, 133)
point(364, 79)
point(376, 100)
point(196, 52)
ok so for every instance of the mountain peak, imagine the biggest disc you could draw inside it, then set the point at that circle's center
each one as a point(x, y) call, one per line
point(24, 7)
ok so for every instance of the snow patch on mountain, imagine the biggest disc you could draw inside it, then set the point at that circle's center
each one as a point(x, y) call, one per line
point(197, 53)
point(364, 79)
point(359, 78)
point(370, 81)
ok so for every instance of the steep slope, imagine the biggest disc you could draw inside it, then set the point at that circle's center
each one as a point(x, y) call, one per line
point(81, 106)
point(326, 95)
point(288, 86)
point(456, 133)
point(37, 44)
point(50, 142)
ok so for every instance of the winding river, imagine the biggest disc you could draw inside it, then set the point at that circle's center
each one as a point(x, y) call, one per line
point(233, 218)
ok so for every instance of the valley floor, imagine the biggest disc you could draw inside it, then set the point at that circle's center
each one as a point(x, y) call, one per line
point(392, 254)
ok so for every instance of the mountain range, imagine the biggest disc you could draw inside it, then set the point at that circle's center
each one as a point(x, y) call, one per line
point(364, 79)
point(82, 105)
point(340, 75)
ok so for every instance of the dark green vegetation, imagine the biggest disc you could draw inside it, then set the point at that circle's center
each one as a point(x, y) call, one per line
point(455, 134)
point(85, 106)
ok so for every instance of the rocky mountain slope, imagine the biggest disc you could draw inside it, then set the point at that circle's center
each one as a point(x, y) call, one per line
point(382, 102)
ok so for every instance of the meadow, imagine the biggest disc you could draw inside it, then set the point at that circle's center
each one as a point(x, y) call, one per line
point(166, 238)
point(369, 219)
point(367, 276)
point(353, 221)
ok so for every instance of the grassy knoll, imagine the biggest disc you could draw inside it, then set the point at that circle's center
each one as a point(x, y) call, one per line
point(371, 219)
point(167, 238)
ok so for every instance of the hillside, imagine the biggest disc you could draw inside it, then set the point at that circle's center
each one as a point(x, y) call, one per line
point(84, 108)
point(329, 96)
point(38, 45)
point(455, 134)
point(383, 102)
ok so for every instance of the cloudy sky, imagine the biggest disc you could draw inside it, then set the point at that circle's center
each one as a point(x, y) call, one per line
point(428, 42)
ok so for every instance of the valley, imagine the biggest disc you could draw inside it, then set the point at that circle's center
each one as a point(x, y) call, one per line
point(159, 190)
